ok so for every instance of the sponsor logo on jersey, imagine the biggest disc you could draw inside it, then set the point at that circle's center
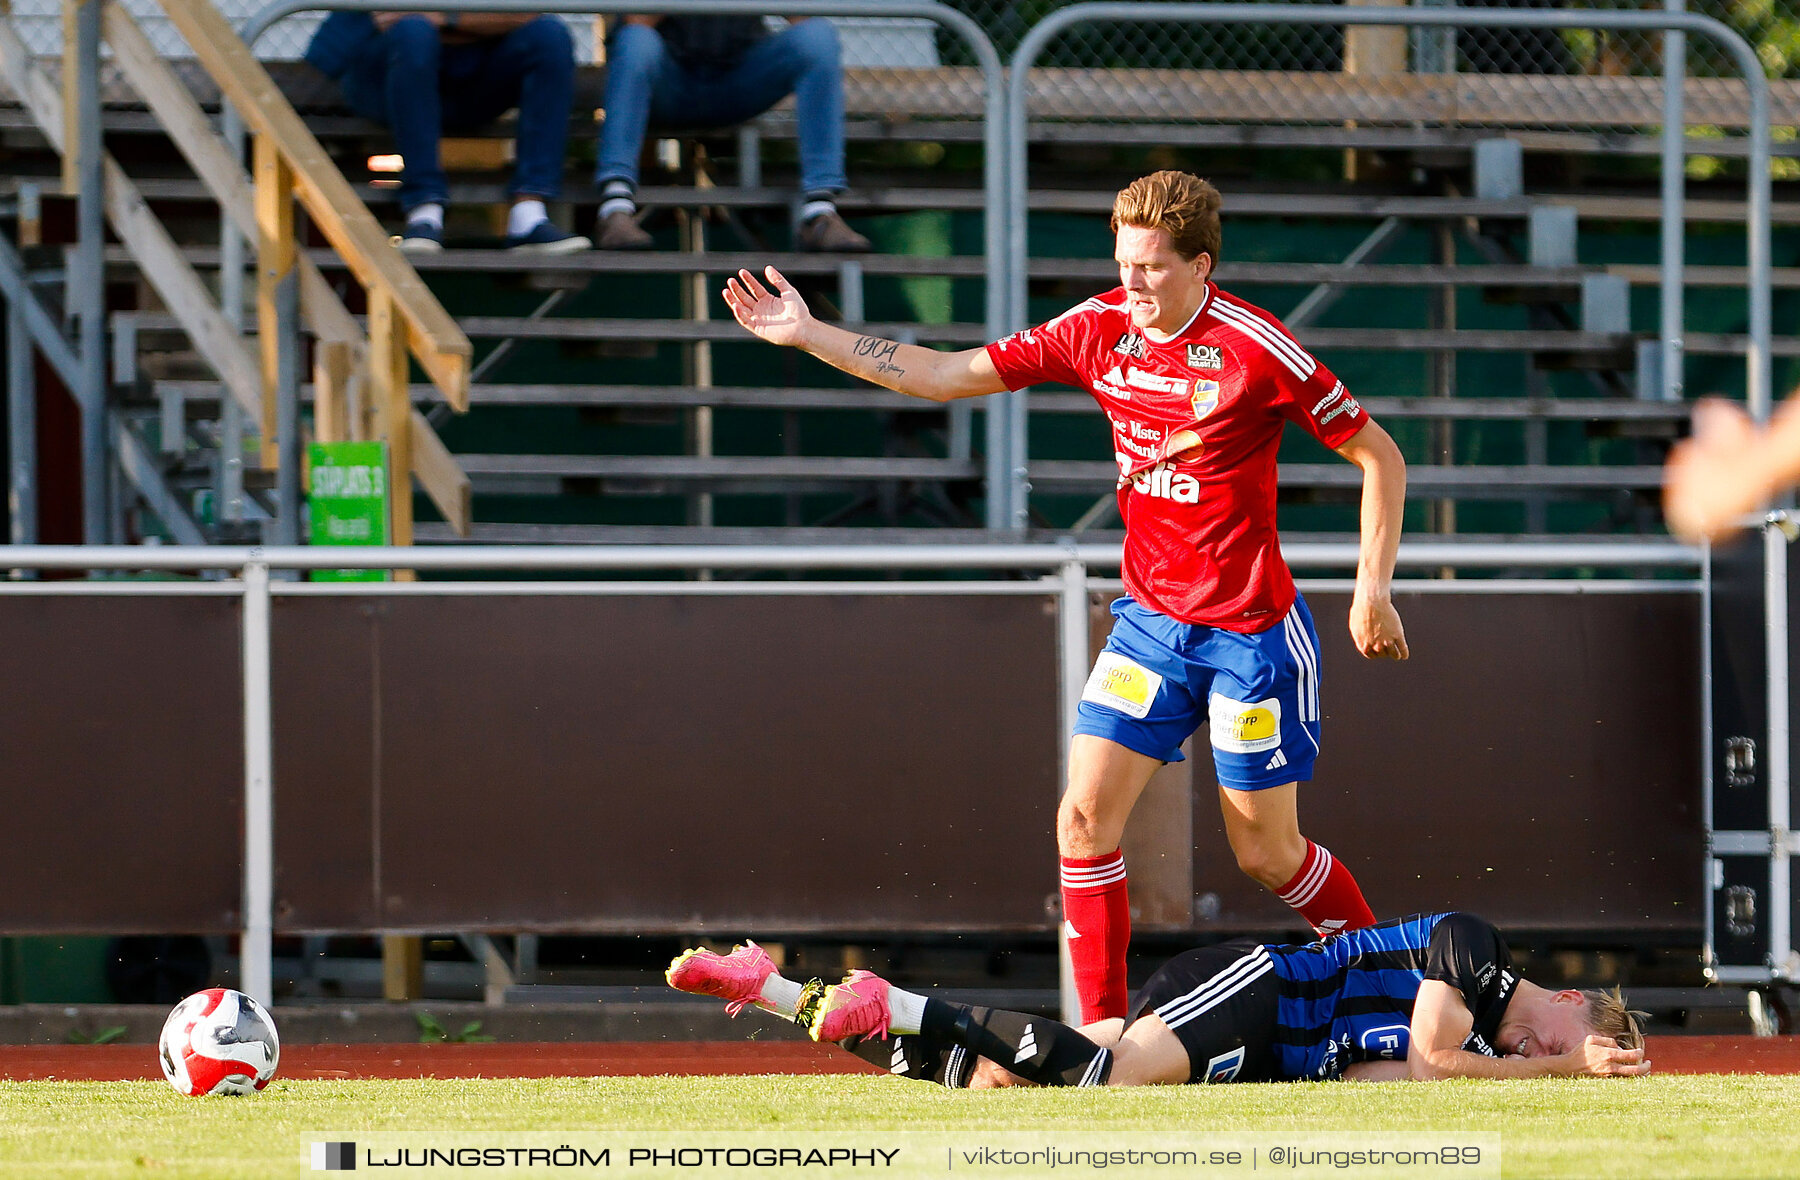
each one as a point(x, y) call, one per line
point(1204, 356)
point(1028, 336)
point(1166, 483)
point(1132, 345)
point(1113, 385)
point(1487, 973)
point(1244, 727)
point(1122, 684)
point(1389, 1041)
point(1205, 397)
point(1337, 402)
point(1478, 1044)
point(1225, 1066)
point(1156, 382)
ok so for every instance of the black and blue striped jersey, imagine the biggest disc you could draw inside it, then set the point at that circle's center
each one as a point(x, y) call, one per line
point(1349, 998)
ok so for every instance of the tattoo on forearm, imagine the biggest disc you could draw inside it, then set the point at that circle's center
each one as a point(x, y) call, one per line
point(875, 347)
point(881, 352)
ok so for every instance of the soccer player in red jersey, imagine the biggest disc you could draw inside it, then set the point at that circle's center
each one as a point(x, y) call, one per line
point(1198, 386)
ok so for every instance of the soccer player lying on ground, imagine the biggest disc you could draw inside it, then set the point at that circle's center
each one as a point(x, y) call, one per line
point(1199, 388)
point(1425, 997)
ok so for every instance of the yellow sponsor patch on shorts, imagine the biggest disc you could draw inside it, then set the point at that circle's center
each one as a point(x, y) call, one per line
point(1118, 683)
point(1244, 727)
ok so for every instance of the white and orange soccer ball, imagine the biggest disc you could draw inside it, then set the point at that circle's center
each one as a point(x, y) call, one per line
point(219, 1041)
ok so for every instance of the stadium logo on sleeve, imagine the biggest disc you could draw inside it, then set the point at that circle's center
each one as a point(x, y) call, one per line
point(1204, 356)
point(1132, 345)
point(1118, 683)
point(1244, 727)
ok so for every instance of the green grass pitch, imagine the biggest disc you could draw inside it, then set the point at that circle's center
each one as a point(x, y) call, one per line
point(1726, 1126)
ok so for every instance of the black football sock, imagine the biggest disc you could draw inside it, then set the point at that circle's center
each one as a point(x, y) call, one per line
point(1036, 1048)
point(924, 1059)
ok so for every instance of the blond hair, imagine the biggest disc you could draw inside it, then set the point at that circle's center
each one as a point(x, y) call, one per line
point(1609, 1017)
point(1178, 202)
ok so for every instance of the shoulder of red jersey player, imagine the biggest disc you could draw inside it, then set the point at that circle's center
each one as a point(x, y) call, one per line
point(1256, 331)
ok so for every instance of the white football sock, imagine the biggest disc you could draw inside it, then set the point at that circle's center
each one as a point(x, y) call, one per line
point(525, 216)
point(431, 213)
point(906, 1011)
point(780, 996)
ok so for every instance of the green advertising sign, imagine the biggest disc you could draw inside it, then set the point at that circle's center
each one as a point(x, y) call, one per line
point(349, 502)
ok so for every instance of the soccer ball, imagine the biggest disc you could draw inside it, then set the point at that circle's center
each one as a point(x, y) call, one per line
point(219, 1041)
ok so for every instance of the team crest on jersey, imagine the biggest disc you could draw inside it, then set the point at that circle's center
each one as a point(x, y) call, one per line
point(1131, 345)
point(1204, 356)
point(1205, 396)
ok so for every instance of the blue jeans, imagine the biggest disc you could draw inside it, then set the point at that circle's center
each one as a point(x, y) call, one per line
point(644, 85)
point(407, 79)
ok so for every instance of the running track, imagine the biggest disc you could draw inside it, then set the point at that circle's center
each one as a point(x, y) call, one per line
point(106, 1063)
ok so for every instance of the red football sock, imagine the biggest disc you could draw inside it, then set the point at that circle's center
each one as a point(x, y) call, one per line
point(1325, 894)
point(1097, 919)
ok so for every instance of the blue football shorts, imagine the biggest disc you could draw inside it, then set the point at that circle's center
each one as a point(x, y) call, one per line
point(1158, 679)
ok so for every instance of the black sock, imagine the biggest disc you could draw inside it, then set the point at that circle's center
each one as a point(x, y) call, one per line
point(924, 1059)
point(1036, 1048)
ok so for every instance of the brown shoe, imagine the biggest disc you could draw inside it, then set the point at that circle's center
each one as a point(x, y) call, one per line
point(620, 231)
point(826, 233)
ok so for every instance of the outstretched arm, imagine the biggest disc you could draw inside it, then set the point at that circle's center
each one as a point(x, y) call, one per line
point(777, 314)
point(1374, 623)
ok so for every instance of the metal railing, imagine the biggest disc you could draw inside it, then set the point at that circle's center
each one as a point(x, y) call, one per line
point(1066, 566)
point(1032, 47)
point(994, 153)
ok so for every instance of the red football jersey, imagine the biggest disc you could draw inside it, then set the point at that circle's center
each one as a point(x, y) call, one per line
point(1197, 420)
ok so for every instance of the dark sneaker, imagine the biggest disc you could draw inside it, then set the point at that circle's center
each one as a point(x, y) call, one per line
point(420, 237)
point(545, 238)
point(620, 231)
point(826, 233)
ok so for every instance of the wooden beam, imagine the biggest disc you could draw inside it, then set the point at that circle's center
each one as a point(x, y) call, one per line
point(193, 135)
point(71, 102)
point(217, 341)
point(402, 966)
point(441, 347)
point(389, 395)
point(274, 266)
point(333, 363)
point(441, 476)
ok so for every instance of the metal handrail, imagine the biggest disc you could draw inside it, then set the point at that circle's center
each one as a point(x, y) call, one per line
point(1417, 555)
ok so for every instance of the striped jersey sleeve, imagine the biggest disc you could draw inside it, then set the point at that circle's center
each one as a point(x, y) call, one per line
point(1299, 387)
point(1053, 350)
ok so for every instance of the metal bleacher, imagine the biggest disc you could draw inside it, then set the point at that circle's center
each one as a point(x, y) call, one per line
point(598, 416)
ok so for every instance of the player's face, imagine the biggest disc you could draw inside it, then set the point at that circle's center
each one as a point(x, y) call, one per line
point(1551, 1029)
point(1162, 289)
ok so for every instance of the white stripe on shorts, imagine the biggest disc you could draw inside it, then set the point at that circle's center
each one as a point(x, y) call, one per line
point(1218, 989)
point(1306, 660)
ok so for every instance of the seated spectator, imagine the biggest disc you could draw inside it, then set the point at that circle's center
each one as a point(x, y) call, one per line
point(718, 71)
point(424, 73)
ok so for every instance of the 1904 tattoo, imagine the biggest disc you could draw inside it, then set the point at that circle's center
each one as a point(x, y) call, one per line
point(881, 352)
